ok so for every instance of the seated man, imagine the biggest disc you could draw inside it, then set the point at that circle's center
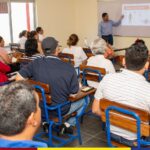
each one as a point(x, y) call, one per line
point(101, 52)
point(128, 87)
point(20, 116)
point(61, 77)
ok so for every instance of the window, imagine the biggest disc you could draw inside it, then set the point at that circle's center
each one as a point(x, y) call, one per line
point(16, 16)
point(5, 24)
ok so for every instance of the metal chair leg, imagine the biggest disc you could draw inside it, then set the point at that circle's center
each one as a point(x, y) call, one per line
point(50, 136)
point(78, 131)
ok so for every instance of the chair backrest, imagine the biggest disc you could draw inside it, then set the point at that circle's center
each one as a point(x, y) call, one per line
point(14, 46)
point(126, 121)
point(88, 52)
point(69, 58)
point(24, 60)
point(46, 89)
point(92, 73)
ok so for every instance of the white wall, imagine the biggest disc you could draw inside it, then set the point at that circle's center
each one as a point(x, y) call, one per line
point(56, 17)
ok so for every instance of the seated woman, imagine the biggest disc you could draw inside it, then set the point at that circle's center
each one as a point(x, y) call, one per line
point(4, 69)
point(22, 39)
point(102, 53)
point(31, 49)
point(34, 35)
point(79, 55)
point(3, 53)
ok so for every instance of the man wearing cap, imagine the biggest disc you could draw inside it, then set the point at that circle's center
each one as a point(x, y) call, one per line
point(61, 77)
point(101, 52)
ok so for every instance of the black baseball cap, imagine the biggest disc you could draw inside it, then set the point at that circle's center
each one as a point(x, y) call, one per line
point(49, 44)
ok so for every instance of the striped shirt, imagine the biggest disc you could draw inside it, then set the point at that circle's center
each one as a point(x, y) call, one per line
point(33, 57)
point(128, 88)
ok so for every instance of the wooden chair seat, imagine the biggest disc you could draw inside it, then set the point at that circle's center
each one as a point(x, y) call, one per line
point(125, 121)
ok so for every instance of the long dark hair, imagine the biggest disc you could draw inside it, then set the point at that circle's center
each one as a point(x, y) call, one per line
point(73, 40)
point(32, 34)
point(23, 33)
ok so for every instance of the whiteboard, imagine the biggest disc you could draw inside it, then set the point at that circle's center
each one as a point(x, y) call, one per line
point(114, 9)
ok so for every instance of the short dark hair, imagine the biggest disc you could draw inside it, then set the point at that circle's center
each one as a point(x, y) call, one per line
point(38, 29)
point(136, 57)
point(73, 40)
point(32, 34)
point(104, 14)
point(23, 33)
point(17, 102)
point(31, 47)
point(139, 41)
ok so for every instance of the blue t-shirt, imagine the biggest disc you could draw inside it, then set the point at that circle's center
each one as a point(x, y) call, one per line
point(21, 144)
point(61, 77)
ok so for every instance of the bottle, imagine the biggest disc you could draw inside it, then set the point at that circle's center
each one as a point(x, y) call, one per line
point(86, 43)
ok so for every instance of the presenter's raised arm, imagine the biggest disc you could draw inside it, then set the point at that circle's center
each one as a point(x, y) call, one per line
point(115, 24)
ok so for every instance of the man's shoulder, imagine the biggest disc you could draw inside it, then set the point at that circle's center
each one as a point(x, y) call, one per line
point(112, 77)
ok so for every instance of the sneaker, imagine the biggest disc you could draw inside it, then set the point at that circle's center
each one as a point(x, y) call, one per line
point(66, 130)
point(45, 126)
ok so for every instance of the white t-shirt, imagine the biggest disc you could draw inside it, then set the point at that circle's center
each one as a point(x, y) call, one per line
point(41, 37)
point(101, 62)
point(128, 88)
point(22, 42)
point(79, 54)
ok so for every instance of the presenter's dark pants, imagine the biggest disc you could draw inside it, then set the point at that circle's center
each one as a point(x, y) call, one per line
point(108, 39)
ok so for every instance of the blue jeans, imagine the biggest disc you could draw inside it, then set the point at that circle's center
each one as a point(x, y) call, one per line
point(122, 140)
point(76, 107)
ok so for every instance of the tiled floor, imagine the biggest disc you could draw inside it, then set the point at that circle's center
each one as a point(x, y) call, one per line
point(92, 134)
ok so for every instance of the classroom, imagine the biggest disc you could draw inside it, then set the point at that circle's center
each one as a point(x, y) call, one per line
point(74, 73)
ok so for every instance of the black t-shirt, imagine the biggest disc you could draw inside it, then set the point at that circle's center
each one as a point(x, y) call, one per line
point(61, 77)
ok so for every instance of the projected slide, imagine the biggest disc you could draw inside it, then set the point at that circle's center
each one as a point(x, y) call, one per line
point(136, 14)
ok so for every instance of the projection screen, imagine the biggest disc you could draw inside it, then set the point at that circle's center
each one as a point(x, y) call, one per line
point(136, 13)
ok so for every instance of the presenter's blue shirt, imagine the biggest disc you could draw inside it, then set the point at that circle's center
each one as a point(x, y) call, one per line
point(106, 28)
point(21, 144)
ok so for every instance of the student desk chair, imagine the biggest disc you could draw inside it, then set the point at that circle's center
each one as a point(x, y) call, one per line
point(125, 117)
point(90, 73)
point(88, 52)
point(69, 58)
point(44, 95)
point(14, 46)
